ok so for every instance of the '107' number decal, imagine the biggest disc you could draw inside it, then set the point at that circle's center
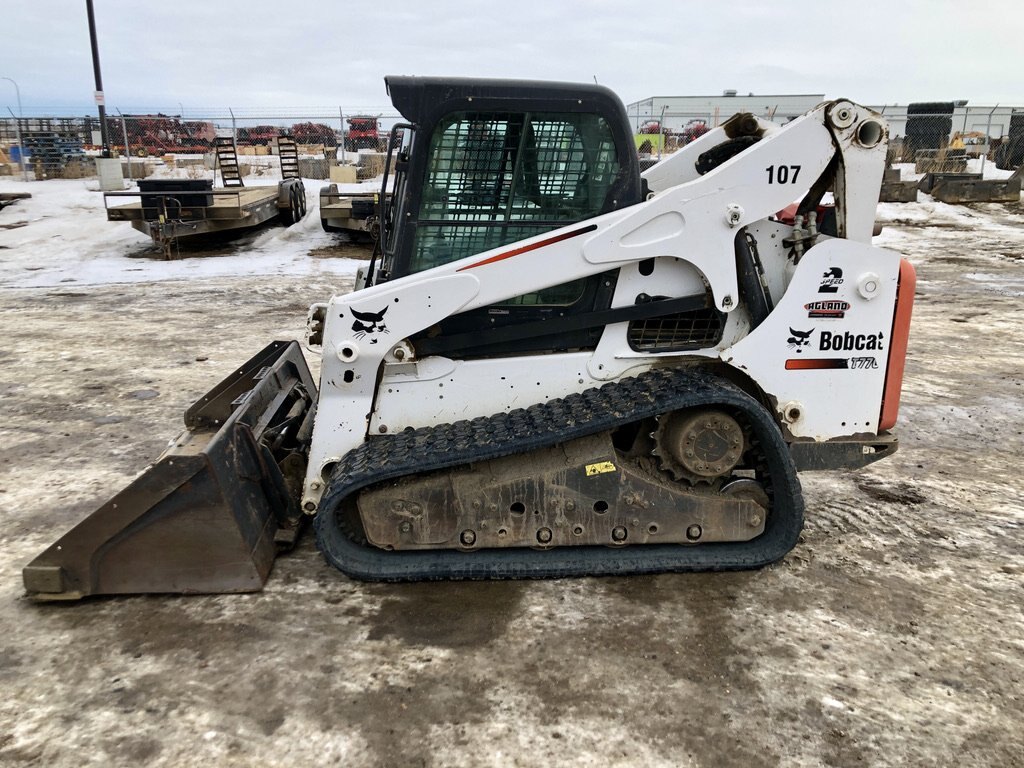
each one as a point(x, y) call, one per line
point(782, 174)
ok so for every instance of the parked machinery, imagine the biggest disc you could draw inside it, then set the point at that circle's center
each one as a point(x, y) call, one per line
point(363, 133)
point(155, 135)
point(314, 133)
point(556, 365)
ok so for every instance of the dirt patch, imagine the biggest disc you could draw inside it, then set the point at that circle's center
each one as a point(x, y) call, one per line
point(358, 251)
point(448, 615)
point(891, 493)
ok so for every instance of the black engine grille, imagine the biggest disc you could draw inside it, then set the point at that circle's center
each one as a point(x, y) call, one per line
point(698, 329)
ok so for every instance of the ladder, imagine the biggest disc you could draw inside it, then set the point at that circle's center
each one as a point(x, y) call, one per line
point(288, 152)
point(227, 160)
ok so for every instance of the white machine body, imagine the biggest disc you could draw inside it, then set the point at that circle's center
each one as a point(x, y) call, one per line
point(825, 342)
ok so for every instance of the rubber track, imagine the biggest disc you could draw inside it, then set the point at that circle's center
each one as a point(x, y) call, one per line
point(545, 424)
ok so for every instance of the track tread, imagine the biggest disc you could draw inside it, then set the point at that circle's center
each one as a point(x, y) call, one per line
point(431, 448)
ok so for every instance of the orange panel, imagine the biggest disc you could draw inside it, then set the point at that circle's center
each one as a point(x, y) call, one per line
point(898, 346)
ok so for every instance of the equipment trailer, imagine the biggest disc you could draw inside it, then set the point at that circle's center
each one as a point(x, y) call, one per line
point(355, 214)
point(175, 211)
point(10, 198)
point(554, 366)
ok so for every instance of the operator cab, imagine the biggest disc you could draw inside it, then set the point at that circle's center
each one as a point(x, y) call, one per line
point(483, 163)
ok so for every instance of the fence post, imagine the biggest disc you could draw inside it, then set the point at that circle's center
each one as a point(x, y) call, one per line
point(127, 149)
point(341, 121)
point(21, 147)
point(661, 129)
point(988, 139)
point(234, 132)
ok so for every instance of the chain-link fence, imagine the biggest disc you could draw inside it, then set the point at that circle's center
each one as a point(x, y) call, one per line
point(663, 124)
point(185, 143)
point(943, 136)
point(933, 135)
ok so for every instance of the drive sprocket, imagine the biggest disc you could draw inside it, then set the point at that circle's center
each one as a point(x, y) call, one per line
point(698, 445)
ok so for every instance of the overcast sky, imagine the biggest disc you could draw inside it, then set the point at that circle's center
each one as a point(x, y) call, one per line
point(276, 54)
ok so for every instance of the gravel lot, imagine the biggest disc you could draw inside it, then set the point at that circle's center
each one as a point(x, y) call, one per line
point(892, 635)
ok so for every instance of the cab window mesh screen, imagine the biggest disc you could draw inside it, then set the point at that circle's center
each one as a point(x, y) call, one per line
point(495, 179)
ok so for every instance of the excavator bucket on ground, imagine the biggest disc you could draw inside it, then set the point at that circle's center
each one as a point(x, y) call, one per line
point(210, 515)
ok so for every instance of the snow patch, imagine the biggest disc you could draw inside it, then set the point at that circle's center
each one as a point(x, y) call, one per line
point(67, 241)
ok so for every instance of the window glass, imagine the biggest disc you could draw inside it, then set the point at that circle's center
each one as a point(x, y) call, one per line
point(497, 178)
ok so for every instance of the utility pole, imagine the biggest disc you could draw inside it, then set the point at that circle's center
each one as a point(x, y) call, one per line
point(99, 79)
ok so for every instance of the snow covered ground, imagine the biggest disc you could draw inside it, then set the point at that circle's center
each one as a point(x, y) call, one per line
point(890, 636)
point(67, 240)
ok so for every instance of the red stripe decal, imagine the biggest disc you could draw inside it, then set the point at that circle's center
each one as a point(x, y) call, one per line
point(820, 364)
point(534, 247)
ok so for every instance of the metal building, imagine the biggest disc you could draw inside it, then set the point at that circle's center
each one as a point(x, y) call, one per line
point(675, 112)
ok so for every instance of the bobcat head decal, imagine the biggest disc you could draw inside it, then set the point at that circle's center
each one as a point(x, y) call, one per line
point(799, 339)
point(369, 323)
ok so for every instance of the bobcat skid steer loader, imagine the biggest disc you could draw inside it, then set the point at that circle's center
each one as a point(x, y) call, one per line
point(554, 366)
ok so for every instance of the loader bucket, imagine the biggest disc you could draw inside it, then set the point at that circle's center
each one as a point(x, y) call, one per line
point(211, 513)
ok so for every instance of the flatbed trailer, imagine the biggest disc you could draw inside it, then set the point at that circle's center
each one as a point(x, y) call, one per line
point(9, 198)
point(172, 211)
point(352, 213)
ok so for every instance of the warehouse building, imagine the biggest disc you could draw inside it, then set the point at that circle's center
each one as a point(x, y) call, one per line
point(675, 112)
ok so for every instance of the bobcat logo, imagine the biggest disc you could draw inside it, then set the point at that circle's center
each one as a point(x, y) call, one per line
point(799, 339)
point(369, 323)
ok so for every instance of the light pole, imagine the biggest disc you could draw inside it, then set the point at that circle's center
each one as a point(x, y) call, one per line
point(17, 129)
point(99, 80)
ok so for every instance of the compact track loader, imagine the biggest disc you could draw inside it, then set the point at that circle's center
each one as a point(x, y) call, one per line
point(554, 365)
